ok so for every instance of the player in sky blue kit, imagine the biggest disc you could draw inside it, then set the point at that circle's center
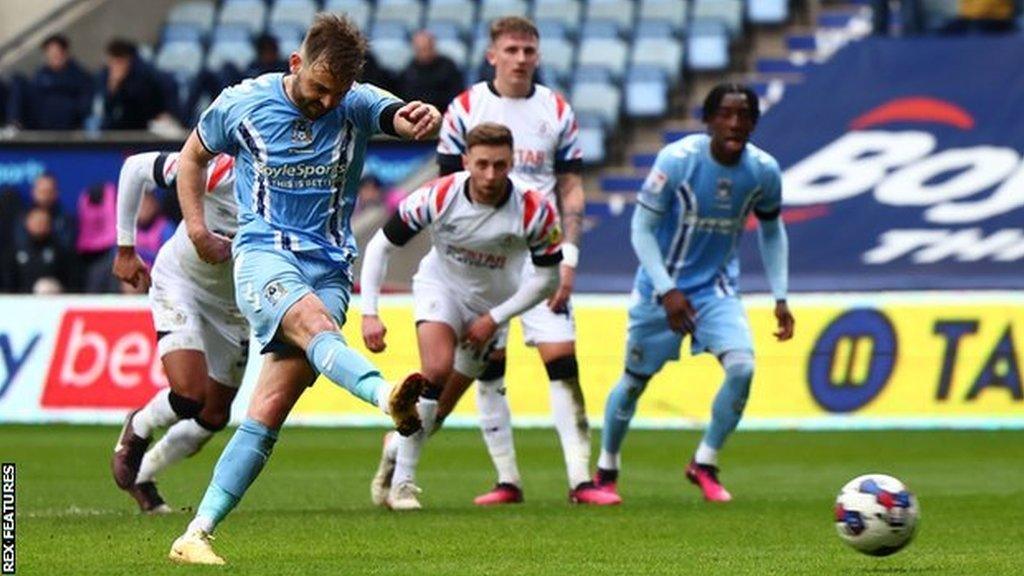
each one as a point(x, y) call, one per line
point(685, 231)
point(299, 141)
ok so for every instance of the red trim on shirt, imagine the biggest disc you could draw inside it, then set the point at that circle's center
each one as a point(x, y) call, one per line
point(223, 165)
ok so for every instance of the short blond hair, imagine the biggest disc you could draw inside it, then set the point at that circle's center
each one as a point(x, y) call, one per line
point(512, 25)
point(336, 43)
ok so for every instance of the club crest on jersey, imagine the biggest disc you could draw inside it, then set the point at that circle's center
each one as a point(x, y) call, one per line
point(723, 192)
point(302, 131)
point(555, 236)
point(543, 128)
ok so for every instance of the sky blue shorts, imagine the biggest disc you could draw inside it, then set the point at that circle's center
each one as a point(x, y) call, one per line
point(269, 281)
point(722, 326)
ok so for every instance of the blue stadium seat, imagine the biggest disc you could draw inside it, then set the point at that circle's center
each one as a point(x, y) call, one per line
point(408, 13)
point(297, 13)
point(654, 29)
point(389, 29)
point(238, 54)
point(670, 12)
point(601, 29)
point(707, 45)
point(444, 30)
point(666, 54)
point(552, 29)
point(492, 9)
point(455, 49)
point(231, 33)
point(248, 14)
point(591, 75)
point(393, 54)
point(180, 58)
point(566, 12)
point(620, 12)
point(288, 34)
point(199, 13)
point(460, 13)
point(767, 11)
point(646, 93)
point(557, 55)
point(600, 99)
point(609, 53)
point(730, 12)
point(181, 32)
point(592, 138)
point(359, 11)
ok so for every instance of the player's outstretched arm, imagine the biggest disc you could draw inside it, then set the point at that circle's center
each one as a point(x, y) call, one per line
point(136, 179)
point(774, 245)
point(192, 161)
point(375, 268)
point(417, 121)
point(572, 201)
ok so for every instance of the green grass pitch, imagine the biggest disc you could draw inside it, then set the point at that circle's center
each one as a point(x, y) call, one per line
point(309, 513)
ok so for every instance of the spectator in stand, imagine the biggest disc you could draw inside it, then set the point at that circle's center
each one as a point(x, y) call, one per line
point(153, 229)
point(60, 94)
point(430, 77)
point(133, 94)
point(374, 73)
point(268, 57)
point(46, 195)
point(38, 259)
point(97, 237)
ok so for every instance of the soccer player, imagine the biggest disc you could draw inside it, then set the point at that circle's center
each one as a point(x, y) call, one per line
point(547, 159)
point(202, 338)
point(299, 141)
point(482, 227)
point(688, 220)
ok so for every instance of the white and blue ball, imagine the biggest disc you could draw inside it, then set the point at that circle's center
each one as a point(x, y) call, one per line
point(876, 514)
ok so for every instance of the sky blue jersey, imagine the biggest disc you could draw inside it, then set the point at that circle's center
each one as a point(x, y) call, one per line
point(704, 206)
point(296, 179)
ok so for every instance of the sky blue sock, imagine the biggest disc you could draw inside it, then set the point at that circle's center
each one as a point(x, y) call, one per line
point(239, 464)
point(619, 410)
point(729, 402)
point(347, 368)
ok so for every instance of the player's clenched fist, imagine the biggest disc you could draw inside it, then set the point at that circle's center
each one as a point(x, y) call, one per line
point(421, 120)
point(373, 333)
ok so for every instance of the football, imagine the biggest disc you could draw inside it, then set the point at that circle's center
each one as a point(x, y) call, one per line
point(876, 514)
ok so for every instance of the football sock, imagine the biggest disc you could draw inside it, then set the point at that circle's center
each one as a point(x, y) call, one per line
point(618, 412)
point(727, 408)
point(242, 460)
point(329, 353)
point(182, 440)
point(157, 413)
point(407, 456)
point(569, 412)
point(496, 425)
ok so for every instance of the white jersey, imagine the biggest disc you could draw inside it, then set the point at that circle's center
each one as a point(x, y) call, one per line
point(543, 126)
point(221, 217)
point(478, 250)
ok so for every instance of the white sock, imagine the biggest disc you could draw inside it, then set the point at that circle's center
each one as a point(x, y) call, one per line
point(496, 425)
point(383, 394)
point(609, 461)
point(407, 455)
point(155, 414)
point(182, 440)
point(201, 523)
point(391, 445)
point(706, 455)
point(570, 416)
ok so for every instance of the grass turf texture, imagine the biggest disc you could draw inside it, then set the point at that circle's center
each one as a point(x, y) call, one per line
point(310, 512)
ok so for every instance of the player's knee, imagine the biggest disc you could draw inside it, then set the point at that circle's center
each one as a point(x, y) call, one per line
point(183, 406)
point(563, 368)
point(739, 371)
point(636, 383)
point(494, 370)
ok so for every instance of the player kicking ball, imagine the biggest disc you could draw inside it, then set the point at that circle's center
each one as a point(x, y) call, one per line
point(299, 141)
point(688, 220)
point(202, 338)
point(467, 287)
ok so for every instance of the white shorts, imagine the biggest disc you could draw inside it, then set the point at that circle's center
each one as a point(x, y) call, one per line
point(541, 325)
point(186, 317)
point(432, 302)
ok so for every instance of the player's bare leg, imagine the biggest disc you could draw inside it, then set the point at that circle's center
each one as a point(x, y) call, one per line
point(187, 374)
